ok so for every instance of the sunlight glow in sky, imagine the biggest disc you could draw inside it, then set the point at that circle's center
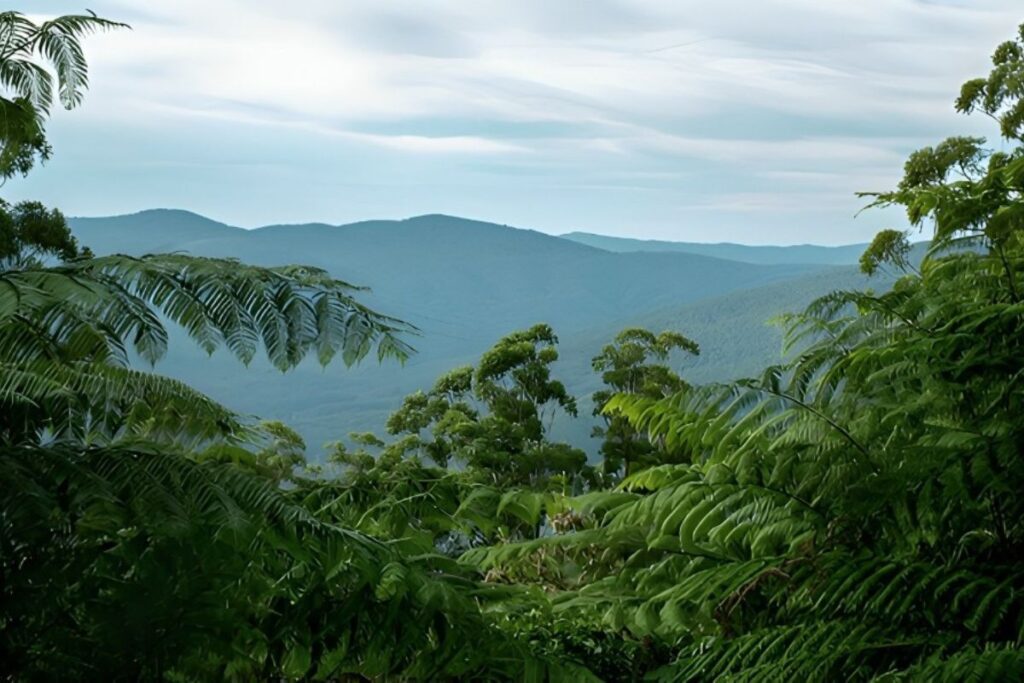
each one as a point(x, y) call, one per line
point(736, 120)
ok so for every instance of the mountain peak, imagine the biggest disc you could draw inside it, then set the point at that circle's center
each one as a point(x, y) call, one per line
point(173, 219)
point(447, 220)
point(175, 213)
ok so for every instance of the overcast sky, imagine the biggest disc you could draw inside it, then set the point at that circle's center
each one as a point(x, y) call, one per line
point(734, 120)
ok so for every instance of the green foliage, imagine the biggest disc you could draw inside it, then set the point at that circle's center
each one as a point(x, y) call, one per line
point(128, 563)
point(494, 418)
point(889, 247)
point(35, 61)
point(969, 192)
point(390, 495)
point(999, 95)
point(67, 333)
point(625, 368)
point(274, 452)
point(445, 411)
point(22, 138)
point(30, 233)
point(610, 655)
point(514, 379)
point(857, 501)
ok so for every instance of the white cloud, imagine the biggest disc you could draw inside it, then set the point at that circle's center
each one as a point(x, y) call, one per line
point(773, 92)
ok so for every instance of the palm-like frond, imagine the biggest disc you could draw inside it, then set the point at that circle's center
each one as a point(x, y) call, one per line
point(67, 334)
point(86, 402)
point(57, 42)
point(29, 81)
point(215, 571)
point(291, 311)
point(35, 61)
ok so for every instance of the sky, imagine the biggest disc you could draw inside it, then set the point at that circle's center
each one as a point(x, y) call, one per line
point(751, 121)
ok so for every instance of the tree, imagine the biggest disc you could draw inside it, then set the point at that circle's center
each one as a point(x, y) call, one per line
point(444, 411)
point(30, 234)
point(26, 50)
point(495, 418)
point(626, 368)
point(513, 379)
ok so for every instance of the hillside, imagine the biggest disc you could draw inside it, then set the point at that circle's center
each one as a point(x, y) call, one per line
point(148, 231)
point(765, 255)
point(734, 331)
point(441, 269)
point(465, 284)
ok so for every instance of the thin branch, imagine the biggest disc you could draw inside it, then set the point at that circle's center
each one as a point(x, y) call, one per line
point(814, 411)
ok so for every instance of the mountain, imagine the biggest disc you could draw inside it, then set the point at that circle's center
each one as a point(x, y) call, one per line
point(156, 230)
point(442, 269)
point(465, 284)
point(735, 331)
point(764, 255)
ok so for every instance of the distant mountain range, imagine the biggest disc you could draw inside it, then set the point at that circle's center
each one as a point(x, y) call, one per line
point(765, 255)
point(466, 283)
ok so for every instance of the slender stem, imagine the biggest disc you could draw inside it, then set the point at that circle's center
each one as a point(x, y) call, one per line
point(788, 495)
point(814, 411)
point(1010, 278)
point(31, 38)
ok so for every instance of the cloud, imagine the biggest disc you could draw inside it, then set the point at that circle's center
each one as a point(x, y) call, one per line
point(755, 102)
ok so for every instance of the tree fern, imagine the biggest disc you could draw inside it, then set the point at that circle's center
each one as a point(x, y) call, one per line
point(854, 513)
point(35, 60)
point(66, 332)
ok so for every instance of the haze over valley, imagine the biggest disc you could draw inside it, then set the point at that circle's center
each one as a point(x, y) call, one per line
point(466, 283)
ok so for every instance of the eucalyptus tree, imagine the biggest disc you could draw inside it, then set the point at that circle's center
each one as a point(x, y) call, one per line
point(634, 363)
point(438, 417)
point(513, 379)
point(31, 234)
point(494, 418)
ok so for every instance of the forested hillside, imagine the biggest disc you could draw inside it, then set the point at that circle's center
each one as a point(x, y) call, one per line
point(465, 284)
point(767, 255)
point(851, 512)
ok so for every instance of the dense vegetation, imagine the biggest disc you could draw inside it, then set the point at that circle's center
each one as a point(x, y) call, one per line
point(852, 514)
